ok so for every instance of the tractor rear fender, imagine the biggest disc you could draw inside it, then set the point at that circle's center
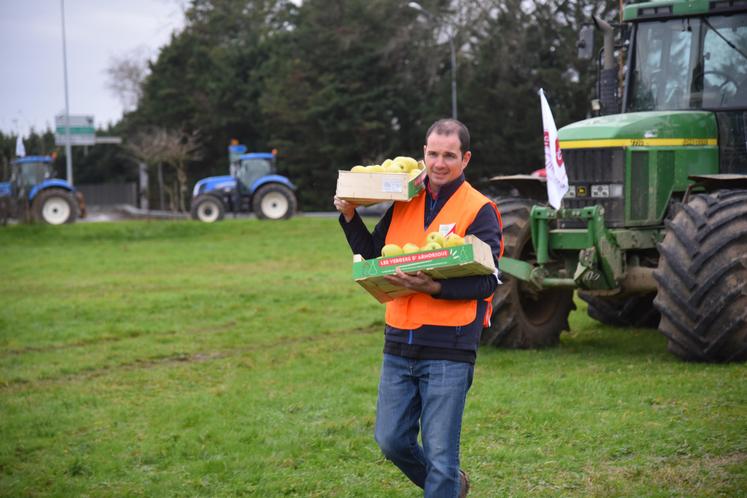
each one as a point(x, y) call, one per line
point(51, 183)
point(711, 183)
point(271, 179)
point(532, 186)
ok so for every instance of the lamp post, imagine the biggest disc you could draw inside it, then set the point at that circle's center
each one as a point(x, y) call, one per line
point(429, 15)
point(68, 147)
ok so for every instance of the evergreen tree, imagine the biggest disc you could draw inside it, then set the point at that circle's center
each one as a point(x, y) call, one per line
point(345, 87)
point(333, 83)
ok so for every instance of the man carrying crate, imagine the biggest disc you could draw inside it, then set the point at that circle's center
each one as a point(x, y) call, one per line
point(431, 337)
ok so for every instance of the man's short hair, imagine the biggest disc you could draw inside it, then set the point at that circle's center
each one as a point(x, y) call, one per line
point(449, 126)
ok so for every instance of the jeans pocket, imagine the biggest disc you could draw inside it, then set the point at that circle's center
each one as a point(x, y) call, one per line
point(450, 375)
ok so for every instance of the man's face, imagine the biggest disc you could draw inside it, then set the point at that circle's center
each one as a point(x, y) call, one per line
point(443, 159)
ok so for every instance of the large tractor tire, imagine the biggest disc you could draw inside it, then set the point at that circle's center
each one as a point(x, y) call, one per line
point(523, 317)
point(208, 209)
point(702, 278)
point(630, 311)
point(274, 202)
point(55, 206)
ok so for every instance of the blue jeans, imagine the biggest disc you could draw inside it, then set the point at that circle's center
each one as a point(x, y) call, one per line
point(431, 394)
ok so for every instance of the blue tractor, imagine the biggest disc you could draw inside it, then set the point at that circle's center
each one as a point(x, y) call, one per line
point(252, 185)
point(32, 194)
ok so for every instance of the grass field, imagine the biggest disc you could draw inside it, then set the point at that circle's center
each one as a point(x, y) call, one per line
point(239, 359)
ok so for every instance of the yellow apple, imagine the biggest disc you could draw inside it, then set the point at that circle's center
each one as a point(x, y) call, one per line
point(431, 246)
point(401, 167)
point(358, 169)
point(374, 168)
point(408, 162)
point(435, 237)
point(386, 163)
point(410, 248)
point(390, 250)
point(394, 167)
point(453, 240)
point(414, 173)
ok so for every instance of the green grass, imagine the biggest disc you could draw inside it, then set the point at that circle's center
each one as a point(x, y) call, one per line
point(239, 359)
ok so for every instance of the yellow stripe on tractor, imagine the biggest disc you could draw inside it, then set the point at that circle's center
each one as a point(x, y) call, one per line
point(637, 142)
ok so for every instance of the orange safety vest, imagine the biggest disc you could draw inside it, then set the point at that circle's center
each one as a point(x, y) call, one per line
point(415, 310)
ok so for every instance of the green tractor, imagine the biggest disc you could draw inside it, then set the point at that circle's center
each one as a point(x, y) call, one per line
point(653, 231)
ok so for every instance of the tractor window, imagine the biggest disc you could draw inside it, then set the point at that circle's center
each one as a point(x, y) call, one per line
point(725, 62)
point(660, 79)
point(252, 169)
point(31, 174)
point(690, 63)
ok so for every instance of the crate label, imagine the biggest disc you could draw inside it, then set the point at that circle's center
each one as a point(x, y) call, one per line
point(445, 230)
point(390, 185)
point(413, 258)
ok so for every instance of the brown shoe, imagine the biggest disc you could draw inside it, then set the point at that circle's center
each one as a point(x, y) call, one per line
point(464, 489)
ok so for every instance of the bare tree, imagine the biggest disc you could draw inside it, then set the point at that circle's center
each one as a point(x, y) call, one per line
point(158, 146)
point(126, 74)
point(145, 147)
point(181, 148)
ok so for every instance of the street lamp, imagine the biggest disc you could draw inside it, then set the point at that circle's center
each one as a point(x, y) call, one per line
point(68, 148)
point(425, 12)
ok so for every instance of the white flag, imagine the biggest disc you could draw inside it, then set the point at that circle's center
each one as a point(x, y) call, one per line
point(20, 149)
point(557, 180)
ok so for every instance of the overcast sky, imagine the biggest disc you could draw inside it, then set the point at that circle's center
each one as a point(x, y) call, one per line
point(32, 80)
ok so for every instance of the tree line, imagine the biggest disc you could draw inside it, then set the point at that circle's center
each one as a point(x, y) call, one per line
point(335, 83)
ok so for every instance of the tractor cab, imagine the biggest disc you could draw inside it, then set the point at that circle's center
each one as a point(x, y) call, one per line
point(248, 168)
point(31, 171)
point(691, 64)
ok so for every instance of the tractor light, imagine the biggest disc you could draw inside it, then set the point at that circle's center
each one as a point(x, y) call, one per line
point(600, 190)
point(607, 190)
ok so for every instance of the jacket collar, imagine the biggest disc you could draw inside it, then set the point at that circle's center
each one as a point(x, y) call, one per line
point(446, 191)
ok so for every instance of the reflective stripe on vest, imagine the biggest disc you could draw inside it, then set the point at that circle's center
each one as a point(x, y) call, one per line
point(413, 311)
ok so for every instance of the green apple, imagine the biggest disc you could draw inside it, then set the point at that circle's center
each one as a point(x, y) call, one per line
point(431, 246)
point(410, 248)
point(358, 169)
point(390, 250)
point(453, 240)
point(435, 237)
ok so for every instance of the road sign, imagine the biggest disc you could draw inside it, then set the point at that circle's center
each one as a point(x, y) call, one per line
point(82, 130)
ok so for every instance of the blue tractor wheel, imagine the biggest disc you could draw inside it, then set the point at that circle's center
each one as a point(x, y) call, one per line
point(207, 208)
point(55, 206)
point(274, 202)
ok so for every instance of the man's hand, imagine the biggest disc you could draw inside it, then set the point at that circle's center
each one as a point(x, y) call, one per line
point(346, 208)
point(419, 281)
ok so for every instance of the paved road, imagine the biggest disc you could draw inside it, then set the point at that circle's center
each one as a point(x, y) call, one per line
point(119, 213)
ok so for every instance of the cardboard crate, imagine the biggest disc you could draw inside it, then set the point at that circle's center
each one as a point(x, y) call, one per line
point(473, 258)
point(369, 188)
